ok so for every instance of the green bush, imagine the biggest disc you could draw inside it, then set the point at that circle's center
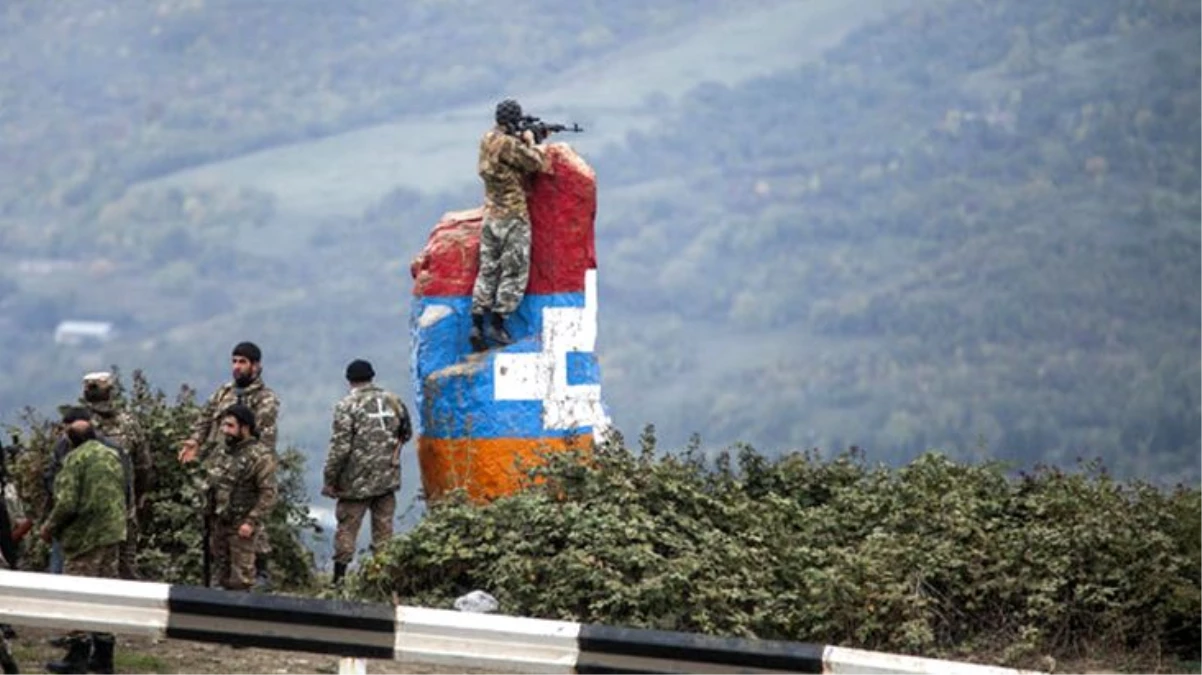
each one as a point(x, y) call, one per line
point(935, 558)
point(170, 525)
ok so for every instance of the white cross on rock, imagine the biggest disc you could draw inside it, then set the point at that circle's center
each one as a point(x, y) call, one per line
point(543, 376)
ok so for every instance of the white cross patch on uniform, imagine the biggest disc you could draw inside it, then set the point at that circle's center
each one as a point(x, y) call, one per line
point(381, 414)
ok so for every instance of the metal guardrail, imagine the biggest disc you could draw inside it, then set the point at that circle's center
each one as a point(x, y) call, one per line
point(418, 635)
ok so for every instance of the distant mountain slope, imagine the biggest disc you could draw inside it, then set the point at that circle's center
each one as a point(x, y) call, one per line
point(973, 222)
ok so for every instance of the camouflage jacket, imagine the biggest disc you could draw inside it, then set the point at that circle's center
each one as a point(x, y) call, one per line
point(14, 513)
point(503, 165)
point(58, 456)
point(116, 428)
point(369, 425)
point(261, 399)
point(241, 482)
point(89, 499)
point(120, 427)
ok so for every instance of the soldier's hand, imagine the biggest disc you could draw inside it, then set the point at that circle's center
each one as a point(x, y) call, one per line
point(45, 533)
point(22, 528)
point(328, 491)
point(246, 531)
point(528, 137)
point(188, 450)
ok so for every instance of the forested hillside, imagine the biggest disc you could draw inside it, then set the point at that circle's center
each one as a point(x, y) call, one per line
point(978, 222)
point(973, 226)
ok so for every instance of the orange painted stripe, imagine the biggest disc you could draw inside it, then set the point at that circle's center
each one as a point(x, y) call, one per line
point(486, 467)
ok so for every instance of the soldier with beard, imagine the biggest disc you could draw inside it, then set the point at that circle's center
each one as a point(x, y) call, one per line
point(116, 428)
point(242, 489)
point(92, 498)
point(248, 389)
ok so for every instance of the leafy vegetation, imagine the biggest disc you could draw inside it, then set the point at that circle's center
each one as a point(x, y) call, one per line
point(170, 526)
point(935, 558)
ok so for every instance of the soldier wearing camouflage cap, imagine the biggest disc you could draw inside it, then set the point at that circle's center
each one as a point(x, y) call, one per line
point(116, 427)
point(247, 388)
point(92, 498)
point(363, 470)
point(506, 162)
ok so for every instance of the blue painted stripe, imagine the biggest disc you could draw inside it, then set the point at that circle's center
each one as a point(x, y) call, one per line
point(583, 368)
point(464, 405)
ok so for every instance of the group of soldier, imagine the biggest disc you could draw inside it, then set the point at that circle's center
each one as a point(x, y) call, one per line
point(101, 468)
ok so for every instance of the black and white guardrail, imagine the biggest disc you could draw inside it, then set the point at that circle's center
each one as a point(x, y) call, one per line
point(418, 635)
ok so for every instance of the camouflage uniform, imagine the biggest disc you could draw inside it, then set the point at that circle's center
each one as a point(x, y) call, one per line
point(207, 430)
point(362, 466)
point(241, 482)
point(89, 509)
point(504, 164)
point(15, 512)
point(120, 427)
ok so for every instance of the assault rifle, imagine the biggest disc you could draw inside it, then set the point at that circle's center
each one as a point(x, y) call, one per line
point(542, 129)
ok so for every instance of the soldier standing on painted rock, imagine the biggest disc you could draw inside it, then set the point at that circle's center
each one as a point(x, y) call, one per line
point(90, 506)
point(242, 485)
point(363, 468)
point(505, 164)
point(116, 428)
point(247, 388)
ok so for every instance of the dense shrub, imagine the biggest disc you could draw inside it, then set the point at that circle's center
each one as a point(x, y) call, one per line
point(935, 558)
point(170, 524)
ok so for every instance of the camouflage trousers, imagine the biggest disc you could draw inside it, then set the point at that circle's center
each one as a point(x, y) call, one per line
point(233, 558)
point(504, 265)
point(350, 512)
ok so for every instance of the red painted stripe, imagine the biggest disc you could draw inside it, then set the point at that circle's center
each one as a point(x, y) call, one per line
point(563, 208)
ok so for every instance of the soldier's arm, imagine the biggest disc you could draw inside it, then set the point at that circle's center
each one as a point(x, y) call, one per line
point(341, 435)
point(266, 417)
point(263, 472)
point(528, 158)
point(203, 425)
point(66, 496)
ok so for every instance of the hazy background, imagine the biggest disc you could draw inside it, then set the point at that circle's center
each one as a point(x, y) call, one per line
point(899, 224)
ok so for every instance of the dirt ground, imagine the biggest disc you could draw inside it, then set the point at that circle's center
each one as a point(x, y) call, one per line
point(137, 654)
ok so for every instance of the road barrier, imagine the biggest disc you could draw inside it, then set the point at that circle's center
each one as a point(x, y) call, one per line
point(418, 635)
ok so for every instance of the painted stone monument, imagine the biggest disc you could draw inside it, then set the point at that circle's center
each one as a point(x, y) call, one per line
point(484, 417)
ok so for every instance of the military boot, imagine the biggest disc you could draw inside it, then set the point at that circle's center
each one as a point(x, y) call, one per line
point(339, 573)
point(76, 659)
point(262, 574)
point(477, 334)
point(497, 333)
point(103, 645)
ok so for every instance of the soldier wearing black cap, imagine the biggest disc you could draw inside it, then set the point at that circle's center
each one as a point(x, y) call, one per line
point(363, 469)
point(92, 496)
point(506, 163)
point(242, 485)
point(247, 388)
